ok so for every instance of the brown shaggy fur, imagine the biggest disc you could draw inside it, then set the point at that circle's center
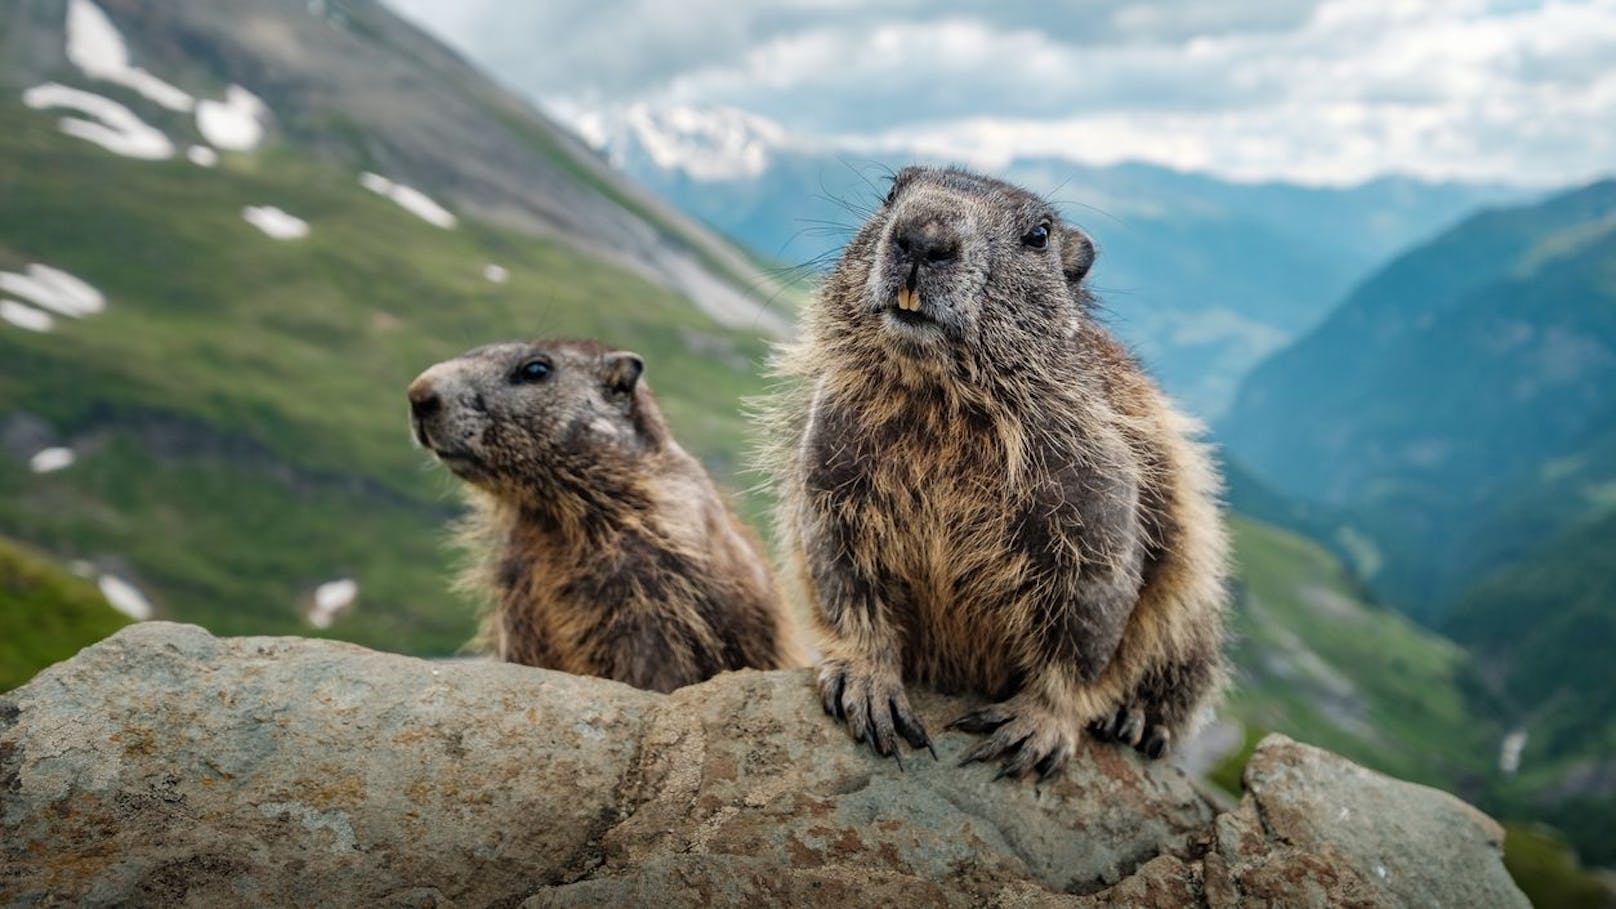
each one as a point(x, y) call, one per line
point(981, 491)
point(604, 545)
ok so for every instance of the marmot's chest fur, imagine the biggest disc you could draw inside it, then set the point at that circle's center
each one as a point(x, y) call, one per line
point(943, 497)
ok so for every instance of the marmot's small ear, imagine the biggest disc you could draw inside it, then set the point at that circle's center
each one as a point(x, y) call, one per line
point(623, 371)
point(1077, 254)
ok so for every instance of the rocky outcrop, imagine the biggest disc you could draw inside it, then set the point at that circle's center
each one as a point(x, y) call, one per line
point(166, 767)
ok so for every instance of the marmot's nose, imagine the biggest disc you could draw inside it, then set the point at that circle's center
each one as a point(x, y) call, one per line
point(424, 399)
point(927, 240)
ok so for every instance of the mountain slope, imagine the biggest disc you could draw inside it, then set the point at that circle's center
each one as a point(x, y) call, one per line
point(1545, 628)
point(1204, 277)
point(1456, 418)
point(229, 388)
point(1313, 659)
point(1452, 383)
point(352, 84)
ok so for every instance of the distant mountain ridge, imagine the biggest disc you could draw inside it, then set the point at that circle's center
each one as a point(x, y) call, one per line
point(1203, 276)
point(1447, 385)
point(1456, 420)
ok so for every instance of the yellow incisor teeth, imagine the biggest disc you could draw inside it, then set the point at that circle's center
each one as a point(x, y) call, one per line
point(908, 300)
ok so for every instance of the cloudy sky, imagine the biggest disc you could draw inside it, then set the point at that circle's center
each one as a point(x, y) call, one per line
point(1326, 92)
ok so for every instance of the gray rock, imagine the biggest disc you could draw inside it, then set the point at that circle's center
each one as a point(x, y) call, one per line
point(168, 767)
point(1315, 829)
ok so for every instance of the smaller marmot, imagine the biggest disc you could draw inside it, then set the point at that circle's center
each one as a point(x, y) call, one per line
point(982, 491)
point(606, 547)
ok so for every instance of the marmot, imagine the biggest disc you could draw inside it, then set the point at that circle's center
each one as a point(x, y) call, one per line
point(982, 491)
point(606, 547)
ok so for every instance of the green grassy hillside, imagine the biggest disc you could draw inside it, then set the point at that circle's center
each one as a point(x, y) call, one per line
point(46, 614)
point(1317, 662)
point(1548, 872)
point(238, 408)
point(1546, 629)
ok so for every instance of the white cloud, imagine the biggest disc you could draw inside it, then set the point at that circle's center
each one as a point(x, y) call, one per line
point(1438, 90)
point(1321, 92)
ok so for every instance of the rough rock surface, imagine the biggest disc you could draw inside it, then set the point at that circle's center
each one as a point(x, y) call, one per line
point(168, 767)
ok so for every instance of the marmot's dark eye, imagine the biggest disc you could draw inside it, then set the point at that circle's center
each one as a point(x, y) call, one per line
point(1038, 237)
point(891, 194)
point(532, 371)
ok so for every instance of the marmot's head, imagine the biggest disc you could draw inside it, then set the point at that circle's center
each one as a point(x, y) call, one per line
point(953, 258)
point(524, 417)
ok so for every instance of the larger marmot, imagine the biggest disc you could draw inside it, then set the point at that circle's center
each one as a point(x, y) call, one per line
point(982, 491)
point(606, 547)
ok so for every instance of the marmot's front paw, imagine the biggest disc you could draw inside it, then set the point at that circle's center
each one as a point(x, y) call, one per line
point(1027, 735)
point(873, 705)
point(1135, 727)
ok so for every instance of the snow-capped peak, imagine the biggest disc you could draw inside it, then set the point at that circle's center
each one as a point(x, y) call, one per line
point(706, 143)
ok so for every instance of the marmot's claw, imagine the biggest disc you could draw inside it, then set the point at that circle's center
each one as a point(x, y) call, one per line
point(909, 726)
point(875, 711)
point(1134, 728)
point(994, 745)
point(1023, 734)
point(985, 719)
point(1019, 762)
point(830, 694)
point(1053, 762)
point(1158, 741)
point(884, 733)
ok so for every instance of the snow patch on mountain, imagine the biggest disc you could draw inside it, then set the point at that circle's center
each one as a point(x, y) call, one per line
point(1509, 753)
point(50, 460)
point(115, 127)
point(97, 48)
point(330, 599)
point(276, 223)
point(25, 317)
point(234, 124)
point(411, 200)
point(125, 597)
point(55, 290)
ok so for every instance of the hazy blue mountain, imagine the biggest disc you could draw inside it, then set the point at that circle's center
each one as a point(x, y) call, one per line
point(1455, 400)
point(1455, 421)
point(1203, 276)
